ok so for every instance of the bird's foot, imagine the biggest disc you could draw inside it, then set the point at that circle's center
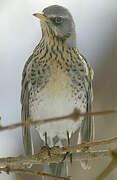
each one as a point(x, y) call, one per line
point(46, 145)
point(68, 153)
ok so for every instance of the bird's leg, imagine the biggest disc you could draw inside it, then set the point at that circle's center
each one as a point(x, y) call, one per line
point(68, 139)
point(46, 144)
point(68, 146)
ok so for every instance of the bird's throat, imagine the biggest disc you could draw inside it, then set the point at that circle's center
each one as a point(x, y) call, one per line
point(54, 41)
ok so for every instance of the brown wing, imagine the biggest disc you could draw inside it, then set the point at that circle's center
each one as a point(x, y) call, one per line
point(25, 110)
point(87, 126)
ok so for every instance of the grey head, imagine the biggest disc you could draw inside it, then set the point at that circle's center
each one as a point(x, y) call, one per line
point(60, 22)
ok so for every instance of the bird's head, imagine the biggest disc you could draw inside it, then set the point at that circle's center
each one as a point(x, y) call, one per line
point(59, 22)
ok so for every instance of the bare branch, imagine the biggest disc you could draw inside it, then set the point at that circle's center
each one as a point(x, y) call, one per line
point(22, 161)
point(43, 157)
point(31, 172)
point(57, 153)
point(74, 116)
point(85, 146)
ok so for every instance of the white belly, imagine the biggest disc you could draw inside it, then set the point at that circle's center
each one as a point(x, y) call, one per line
point(56, 99)
point(44, 108)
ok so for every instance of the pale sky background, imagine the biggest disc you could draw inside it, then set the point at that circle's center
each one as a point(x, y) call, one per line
point(96, 27)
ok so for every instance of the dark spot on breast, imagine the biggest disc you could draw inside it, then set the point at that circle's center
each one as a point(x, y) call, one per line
point(74, 70)
point(40, 50)
point(32, 70)
point(33, 82)
point(66, 64)
point(79, 97)
point(32, 74)
point(36, 58)
point(50, 55)
point(43, 70)
point(67, 70)
point(57, 48)
point(45, 65)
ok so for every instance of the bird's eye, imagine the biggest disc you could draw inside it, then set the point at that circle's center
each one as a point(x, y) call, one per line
point(58, 20)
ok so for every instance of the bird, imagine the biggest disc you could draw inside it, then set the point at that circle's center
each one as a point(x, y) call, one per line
point(56, 79)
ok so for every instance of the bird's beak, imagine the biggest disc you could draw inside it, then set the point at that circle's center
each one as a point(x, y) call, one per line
point(41, 16)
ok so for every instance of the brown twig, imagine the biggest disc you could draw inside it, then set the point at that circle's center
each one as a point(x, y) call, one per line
point(74, 116)
point(57, 154)
point(36, 159)
point(55, 158)
point(89, 145)
point(31, 172)
point(98, 113)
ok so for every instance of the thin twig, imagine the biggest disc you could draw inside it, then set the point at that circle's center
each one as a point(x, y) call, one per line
point(74, 116)
point(98, 113)
point(57, 154)
point(31, 172)
point(89, 145)
point(55, 158)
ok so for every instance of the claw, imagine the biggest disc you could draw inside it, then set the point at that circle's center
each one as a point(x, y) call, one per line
point(66, 154)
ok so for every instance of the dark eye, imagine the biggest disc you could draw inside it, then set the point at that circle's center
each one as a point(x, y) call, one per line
point(58, 20)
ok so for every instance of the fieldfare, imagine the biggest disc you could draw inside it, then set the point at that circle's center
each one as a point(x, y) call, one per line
point(56, 79)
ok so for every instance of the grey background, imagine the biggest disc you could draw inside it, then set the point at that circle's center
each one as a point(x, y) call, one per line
point(96, 27)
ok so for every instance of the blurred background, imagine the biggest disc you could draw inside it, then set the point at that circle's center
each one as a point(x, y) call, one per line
point(96, 27)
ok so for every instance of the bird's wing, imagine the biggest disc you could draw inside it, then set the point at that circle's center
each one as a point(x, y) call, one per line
point(87, 125)
point(25, 110)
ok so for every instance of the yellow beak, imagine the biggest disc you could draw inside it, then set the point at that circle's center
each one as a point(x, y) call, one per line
point(41, 16)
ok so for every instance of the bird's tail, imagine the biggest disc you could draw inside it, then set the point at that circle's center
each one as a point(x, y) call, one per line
point(56, 169)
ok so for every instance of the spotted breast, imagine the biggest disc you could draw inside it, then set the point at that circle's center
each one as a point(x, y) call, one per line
point(57, 88)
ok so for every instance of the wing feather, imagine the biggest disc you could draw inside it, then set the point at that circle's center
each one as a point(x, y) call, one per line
point(25, 111)
point(87, 126)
